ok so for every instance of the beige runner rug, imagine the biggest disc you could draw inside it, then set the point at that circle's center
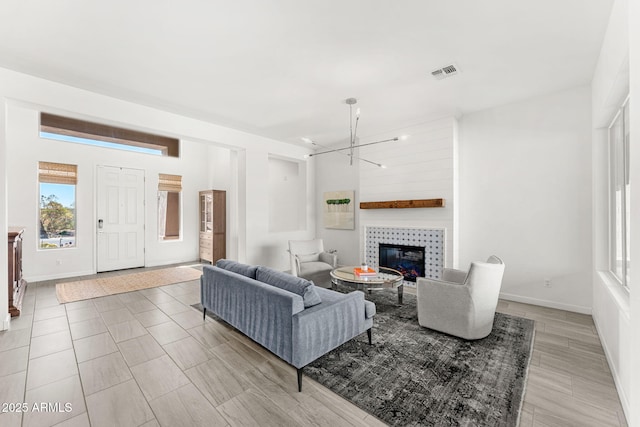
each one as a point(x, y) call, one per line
point(99, 287)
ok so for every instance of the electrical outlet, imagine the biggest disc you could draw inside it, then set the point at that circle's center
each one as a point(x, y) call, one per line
point(547, 283)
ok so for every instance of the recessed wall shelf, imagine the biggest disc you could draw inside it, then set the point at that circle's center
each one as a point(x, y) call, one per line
point(403, 204)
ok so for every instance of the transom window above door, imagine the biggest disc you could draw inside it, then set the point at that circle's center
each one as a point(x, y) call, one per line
point(100, 135)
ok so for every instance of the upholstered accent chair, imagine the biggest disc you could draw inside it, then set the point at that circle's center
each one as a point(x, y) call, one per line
point(310, 261)
point(462, 303)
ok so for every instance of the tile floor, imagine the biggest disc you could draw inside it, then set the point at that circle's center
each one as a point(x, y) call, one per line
point(146, 358)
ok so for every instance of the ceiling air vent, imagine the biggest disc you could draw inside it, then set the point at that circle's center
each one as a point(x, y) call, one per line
point(447, 71)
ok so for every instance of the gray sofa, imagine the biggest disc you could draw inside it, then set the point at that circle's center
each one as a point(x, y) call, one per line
point(287, 315)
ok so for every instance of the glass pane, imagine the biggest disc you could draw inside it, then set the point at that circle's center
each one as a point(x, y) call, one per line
point(97, 143)
point(168, 215)
point(627, 192)
point(617, 195)
point(57, 216)
point(206, 213)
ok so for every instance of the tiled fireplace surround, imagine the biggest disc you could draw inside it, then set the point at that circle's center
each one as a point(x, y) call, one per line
point(432, 239)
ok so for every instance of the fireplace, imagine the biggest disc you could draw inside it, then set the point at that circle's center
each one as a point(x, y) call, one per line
point(408, 260)
point(432, 240)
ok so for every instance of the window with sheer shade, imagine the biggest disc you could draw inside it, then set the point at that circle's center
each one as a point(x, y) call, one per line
point(169, 190)
point(57, 207)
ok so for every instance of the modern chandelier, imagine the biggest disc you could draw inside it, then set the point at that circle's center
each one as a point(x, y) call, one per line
point(353, 131)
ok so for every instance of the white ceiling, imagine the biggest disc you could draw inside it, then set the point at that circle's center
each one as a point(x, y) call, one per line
point(283, 68)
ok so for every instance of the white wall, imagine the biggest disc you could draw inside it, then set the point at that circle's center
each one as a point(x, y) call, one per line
point(525, 195)
point(633, 412)
point(4, 297)
point(26, 149)
point(287, 195)
point(611, 304)
point(335, 174)
point(243, 154)
point(265, 247)
point(420, 167)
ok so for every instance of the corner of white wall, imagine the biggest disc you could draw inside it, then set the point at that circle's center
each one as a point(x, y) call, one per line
point(456, 195)
point(634, 115)
point(614, 312)
point(525, 174)
point(4, 298)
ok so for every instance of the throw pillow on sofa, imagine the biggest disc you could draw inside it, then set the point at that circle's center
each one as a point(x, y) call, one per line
point(297, 285)
point(236, 267)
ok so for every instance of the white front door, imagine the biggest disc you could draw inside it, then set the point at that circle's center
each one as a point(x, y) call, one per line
point(120, 221)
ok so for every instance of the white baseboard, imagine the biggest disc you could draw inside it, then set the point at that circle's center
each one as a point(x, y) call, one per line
point(624, 399)
point(173, 261)
point(6, 323)
point(546, 303)
point(33, 279)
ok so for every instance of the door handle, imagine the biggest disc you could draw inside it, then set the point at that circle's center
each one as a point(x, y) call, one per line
point(100, 223)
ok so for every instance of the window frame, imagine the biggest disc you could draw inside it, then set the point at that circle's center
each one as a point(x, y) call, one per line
point(57, 174)
point(97, 134)
point(619, 214)
point(169, 184)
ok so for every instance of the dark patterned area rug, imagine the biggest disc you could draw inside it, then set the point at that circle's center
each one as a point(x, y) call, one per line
point(413, 376)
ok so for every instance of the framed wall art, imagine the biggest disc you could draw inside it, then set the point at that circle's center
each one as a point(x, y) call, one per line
point(339, 209)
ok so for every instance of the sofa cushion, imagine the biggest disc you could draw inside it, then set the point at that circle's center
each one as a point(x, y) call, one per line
point(297, 285)
point(236, 267)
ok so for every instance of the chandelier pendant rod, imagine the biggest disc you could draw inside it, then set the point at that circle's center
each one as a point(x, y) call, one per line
point(353, 136)
point(350, 147)
point(380, 165)
point(351, 142)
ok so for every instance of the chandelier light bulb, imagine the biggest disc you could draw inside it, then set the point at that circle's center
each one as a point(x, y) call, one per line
point(358, 112)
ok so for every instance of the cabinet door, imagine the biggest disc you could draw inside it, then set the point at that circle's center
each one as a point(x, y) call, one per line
point(213, 225)
point(220, 211)
point(206, 212)
point(219, 225)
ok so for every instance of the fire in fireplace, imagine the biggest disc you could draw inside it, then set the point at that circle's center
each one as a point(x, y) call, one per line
point(408, 260)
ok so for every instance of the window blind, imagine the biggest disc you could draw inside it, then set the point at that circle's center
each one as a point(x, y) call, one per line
point(57, 173)
point(171, 183)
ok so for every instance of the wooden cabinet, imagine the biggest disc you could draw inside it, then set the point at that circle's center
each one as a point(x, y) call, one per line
point(17, 285)
point(213, 225)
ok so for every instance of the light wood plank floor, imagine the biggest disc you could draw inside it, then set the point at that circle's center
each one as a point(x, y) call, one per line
point(146, 358)
point(569, 382)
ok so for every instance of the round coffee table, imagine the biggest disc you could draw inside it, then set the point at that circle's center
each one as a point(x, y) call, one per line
point(385, 278)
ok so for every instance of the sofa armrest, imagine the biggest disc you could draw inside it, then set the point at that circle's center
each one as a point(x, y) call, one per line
point(453, 275)
point(442, 304)
point(296, 272)
point(434, 290)
point(320, 329)
point(330, 258)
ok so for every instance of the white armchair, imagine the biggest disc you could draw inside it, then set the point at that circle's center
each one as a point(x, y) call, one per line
point(462, 303)
point(309, 260)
